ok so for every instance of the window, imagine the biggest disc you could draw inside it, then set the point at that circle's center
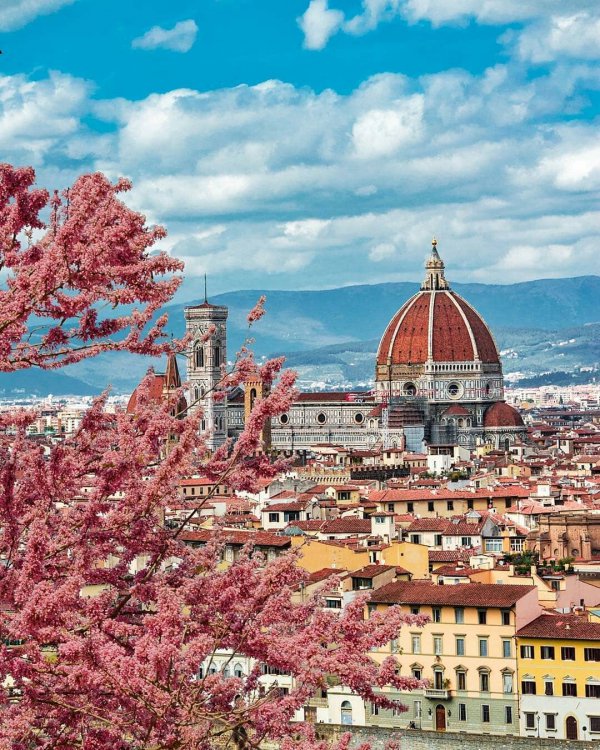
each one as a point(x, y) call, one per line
point(548, 687)
point(483, 647)
point(594, 723)
point(482, 616)
point(273, 517)
point(394, 646)
point(436, 614)
point(459, 615)
point(415, 610)
point(567, 653)
point(415, 539)
point(505, 614)
point(390, 507)
point(547, 652)
point(465, 541)
point(506, 648)
point(461, 680)
point(416, 673)
point(437, 645)
point(508, 715)
point(529, 721)
point(592, 690)
point(527, 652)
point(333, 603)
point(469, 504)
point(410, 507)
point(484, 682)
point(417, 709)
point(450, 505)
point(217, 362)
point(199, 355)
point(416, 644)
point(550, 721)
point(238, 671)
point(462, 711)
point(485, 713)
point(528, 687)
point(507, 683)
point(493, 545)
point(570, 689)
point(460, 646)
point(591, 654)
point(438, 540)
point(321, 418)
point(430, 506)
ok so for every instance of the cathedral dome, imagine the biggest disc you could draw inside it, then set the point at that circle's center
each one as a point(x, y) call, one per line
point(501, 414)
point(436, 325)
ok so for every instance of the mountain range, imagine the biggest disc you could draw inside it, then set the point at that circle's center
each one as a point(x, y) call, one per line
point(330, 336)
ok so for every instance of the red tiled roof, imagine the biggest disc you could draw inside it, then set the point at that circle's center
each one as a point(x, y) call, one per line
point(227, 536)
point(501, 414)
point(284, 507)
point(450, 555)
point(347, 526)
point(324, 573)
point(310, 525)
point(370, 571)
point(468, 594)
point(454, 326)
point(565, 627)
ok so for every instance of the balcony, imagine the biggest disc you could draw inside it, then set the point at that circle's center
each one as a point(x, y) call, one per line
point(437, 694)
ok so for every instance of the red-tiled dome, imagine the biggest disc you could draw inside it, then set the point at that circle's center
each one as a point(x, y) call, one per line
point(502, 415)
point(439, 326)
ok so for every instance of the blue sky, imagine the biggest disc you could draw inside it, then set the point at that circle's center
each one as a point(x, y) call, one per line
point(315, 143)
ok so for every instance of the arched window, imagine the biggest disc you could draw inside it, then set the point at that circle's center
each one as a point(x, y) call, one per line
point(346, 708)
point(238, 671)
point(252, 397)
point(217, 357)
point(199, 354)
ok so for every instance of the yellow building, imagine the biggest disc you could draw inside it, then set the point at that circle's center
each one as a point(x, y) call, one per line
point(466, 651)
point(559, 677)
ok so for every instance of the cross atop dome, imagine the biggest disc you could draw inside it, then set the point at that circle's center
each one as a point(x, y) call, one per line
point(434, 267)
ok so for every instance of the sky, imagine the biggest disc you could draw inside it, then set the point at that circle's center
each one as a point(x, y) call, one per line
point(304, 144)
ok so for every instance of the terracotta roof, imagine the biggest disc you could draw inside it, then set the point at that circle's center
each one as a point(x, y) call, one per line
point(155, 394)
point(310, 525)
point(284, 507)
point(444, 334)
point(227, 536)
point(450, 555)
point(501, 414)
point(324, 574)
point(468, 594)
point(370, 571)
point(565, 627)
point(457, 410)
point(347, 526)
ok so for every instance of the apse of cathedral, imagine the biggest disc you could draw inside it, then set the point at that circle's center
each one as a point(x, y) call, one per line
point(438, 382)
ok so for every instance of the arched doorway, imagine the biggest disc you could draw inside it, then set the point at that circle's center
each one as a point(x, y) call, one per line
point(346, 713)
point(440, 718)
point(571, 728)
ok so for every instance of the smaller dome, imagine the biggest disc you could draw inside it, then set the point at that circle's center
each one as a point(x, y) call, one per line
point(155, 395)
point(456, 410)
point(501, 414)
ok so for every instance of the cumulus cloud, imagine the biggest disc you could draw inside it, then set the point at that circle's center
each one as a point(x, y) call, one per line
point(353, 195)
point(319, 23)
point(574, 36)
point(180, 38)
point(15, 14)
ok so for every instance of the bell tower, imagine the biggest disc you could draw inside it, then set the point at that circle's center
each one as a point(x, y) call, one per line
point(206, 357)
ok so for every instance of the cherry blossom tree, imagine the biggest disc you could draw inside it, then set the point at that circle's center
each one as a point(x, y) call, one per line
point(110, 624)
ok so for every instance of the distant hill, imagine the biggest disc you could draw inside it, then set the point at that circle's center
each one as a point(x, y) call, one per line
point(331, 335)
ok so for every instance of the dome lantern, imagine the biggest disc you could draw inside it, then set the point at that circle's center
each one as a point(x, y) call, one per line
point(434, 267)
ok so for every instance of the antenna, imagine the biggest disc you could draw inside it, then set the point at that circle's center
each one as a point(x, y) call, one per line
point(205, 293)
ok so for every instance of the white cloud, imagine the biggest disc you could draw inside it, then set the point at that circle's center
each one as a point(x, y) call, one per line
point(319, 23)
point(381, 132)
point(180, 38)
point(576, 36)
point(17, 13)
point(356, 192)
point(382, 251)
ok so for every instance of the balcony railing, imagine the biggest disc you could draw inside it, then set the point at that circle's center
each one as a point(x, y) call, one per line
point(443, 695)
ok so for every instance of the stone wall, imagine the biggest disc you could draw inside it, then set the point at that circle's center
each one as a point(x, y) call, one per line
point(415, 739)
